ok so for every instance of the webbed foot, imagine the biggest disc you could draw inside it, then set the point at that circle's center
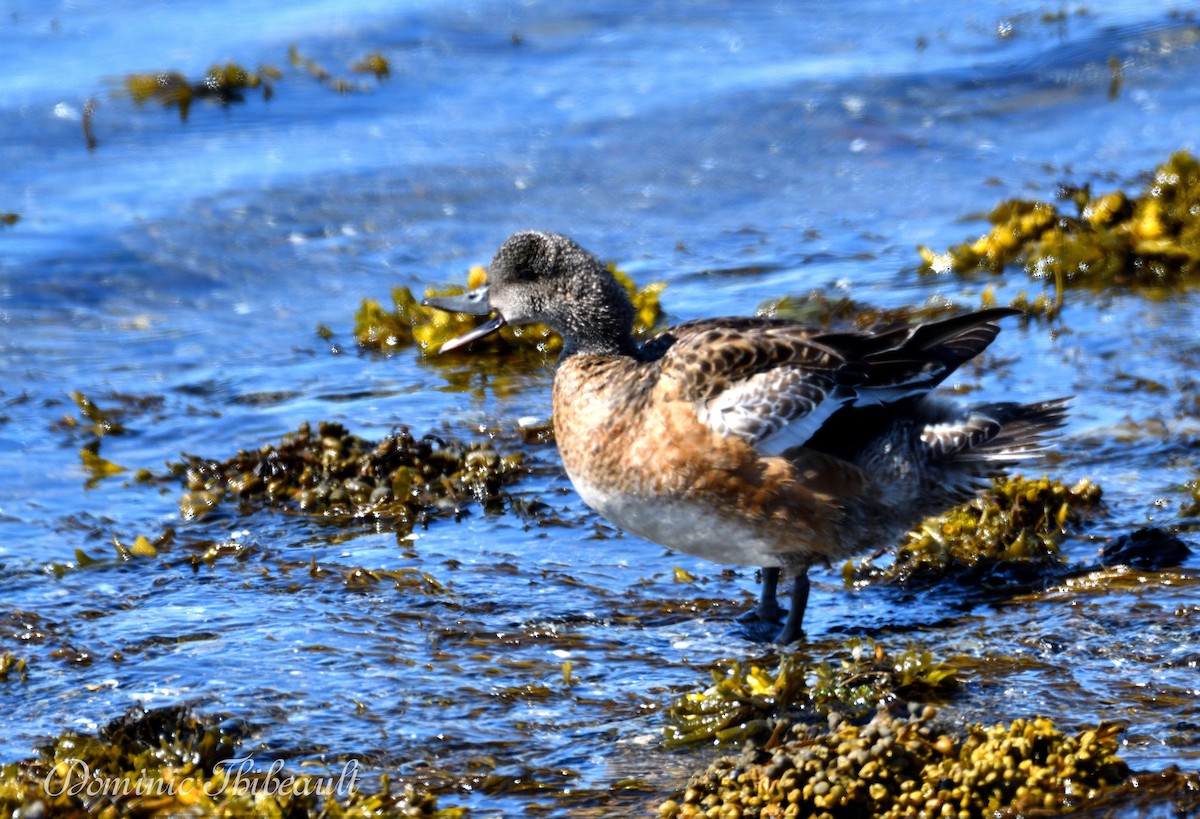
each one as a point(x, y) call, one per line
point(768, 609)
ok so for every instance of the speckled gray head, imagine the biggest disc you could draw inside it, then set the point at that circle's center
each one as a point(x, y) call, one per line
point(547, 278)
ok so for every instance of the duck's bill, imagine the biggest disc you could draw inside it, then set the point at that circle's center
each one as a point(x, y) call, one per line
point(473, 303)
point(485, 329)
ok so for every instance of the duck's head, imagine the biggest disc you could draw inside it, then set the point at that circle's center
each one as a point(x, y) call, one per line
point(546, 278)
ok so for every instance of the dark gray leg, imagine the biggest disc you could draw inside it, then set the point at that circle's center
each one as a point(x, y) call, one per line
point(769, 610)
point(792, 631)
point(768, 607)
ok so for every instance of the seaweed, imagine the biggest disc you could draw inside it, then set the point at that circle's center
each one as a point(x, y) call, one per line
point(174, 761)
point(1147, 244)
point(1191, 508)
point(97, 422)
point(744, 700)
point(373, 63)
point(228, 83)
point(818, 309)
point(901, 763)
point(223, 84)
point(103, 422)
point(1009, 532)
point(141, 547)
point(11, 665)
point(96, 467)
point(333, 474)
point(871, 675)
point(747, 700)
point(85, 121)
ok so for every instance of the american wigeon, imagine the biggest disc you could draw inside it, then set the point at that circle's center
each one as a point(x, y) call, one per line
point(754, 441)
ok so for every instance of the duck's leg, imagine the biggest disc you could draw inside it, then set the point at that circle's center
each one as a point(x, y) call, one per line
point(769, 610)
point(792, 631)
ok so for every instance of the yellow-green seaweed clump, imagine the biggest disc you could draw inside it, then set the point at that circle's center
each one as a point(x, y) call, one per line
point(228, 83)
point(408, 322)
point(331, 473)
point(900, 764)
point(1149, 242)
point(174, 762)
point(96, 467)
point(1015, 525)
point(748, 699)
point(221, 83)
point(744, 700)
point(12, 667)
point(1191, 508)
point(102, 422)
point(373, 63)
point(817, 308)
point(97, 422)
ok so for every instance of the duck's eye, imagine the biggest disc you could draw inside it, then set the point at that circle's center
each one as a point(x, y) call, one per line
point(526, 273)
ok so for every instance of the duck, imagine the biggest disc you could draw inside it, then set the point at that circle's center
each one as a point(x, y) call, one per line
point(755, 441)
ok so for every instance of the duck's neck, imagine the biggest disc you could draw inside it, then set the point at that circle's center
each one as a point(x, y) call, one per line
point(601, 322)
point(616, 344)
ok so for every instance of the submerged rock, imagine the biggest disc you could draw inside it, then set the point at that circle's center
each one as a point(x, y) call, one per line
point(1148, 548)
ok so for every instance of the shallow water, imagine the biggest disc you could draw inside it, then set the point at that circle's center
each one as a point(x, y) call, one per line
point(739, 152)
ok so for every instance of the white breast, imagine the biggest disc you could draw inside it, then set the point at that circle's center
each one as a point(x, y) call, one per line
point(683, 525)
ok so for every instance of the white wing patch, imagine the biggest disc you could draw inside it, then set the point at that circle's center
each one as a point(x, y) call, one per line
point(775, 410)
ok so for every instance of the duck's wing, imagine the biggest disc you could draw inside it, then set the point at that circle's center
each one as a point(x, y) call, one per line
point(775, 384)
point(911, 360)
point(770, 384)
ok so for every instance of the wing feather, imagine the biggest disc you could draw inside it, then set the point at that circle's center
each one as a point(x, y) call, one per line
point(775, 384)
point(772, 385)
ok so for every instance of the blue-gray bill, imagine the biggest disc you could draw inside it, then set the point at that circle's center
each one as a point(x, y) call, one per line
point(472, 303)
